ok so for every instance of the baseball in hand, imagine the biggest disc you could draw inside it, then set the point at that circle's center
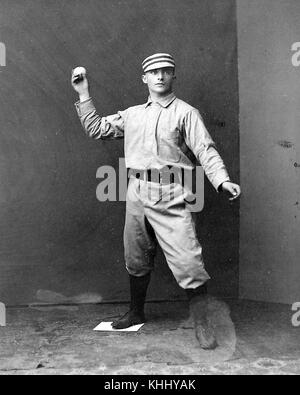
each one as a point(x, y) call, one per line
point(78, 74)
point(79, 71)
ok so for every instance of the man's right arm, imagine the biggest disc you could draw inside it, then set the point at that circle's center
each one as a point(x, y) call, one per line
point(110, 127)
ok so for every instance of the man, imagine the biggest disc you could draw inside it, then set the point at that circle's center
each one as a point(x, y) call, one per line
point(163, 133)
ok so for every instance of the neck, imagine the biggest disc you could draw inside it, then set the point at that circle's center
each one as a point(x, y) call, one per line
point(156, 96)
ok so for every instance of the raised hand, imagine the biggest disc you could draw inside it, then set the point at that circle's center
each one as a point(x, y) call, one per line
point(80, 83)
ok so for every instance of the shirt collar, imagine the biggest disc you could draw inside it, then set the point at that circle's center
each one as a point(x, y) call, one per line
point(164, 101)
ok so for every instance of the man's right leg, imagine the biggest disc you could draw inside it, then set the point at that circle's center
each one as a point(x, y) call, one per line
point(135, 315)
point(140, 249)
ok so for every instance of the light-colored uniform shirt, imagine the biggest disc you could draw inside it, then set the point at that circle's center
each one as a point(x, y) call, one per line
point(169, 132)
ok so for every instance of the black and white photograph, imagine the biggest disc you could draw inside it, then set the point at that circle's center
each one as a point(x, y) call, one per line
point(149, 190)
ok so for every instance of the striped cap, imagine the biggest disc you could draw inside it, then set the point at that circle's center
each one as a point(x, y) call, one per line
point(158, 61)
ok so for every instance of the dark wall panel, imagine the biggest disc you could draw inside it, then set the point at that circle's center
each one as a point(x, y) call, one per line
point(57, 242)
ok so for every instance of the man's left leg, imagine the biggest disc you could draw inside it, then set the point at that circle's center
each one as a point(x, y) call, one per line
point(198, 301)
point(175, 232)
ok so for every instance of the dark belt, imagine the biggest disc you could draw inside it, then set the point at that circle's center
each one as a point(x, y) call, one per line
point(166, 175)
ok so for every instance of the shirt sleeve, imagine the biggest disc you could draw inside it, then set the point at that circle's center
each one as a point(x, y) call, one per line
point(202, 145)
point(97, 127)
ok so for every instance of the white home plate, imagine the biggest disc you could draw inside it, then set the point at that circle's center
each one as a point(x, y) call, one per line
point(106, 326)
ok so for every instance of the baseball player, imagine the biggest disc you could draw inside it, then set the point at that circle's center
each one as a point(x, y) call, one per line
point(163, 133)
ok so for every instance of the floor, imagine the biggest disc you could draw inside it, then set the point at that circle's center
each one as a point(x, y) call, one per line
point(254, 338)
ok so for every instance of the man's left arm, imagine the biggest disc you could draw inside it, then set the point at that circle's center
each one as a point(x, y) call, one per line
point(200, 142)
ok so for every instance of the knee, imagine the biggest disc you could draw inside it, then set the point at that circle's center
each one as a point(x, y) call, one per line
point(137, 271)
point(140, 262)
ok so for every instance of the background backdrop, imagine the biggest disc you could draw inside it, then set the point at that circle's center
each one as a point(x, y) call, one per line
point(57, 242)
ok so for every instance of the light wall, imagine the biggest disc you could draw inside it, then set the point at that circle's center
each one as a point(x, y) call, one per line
point(269, 94)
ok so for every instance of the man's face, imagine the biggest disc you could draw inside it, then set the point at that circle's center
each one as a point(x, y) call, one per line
point(159, 81)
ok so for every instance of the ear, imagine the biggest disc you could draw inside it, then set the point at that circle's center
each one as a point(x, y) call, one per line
point(144, 79)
